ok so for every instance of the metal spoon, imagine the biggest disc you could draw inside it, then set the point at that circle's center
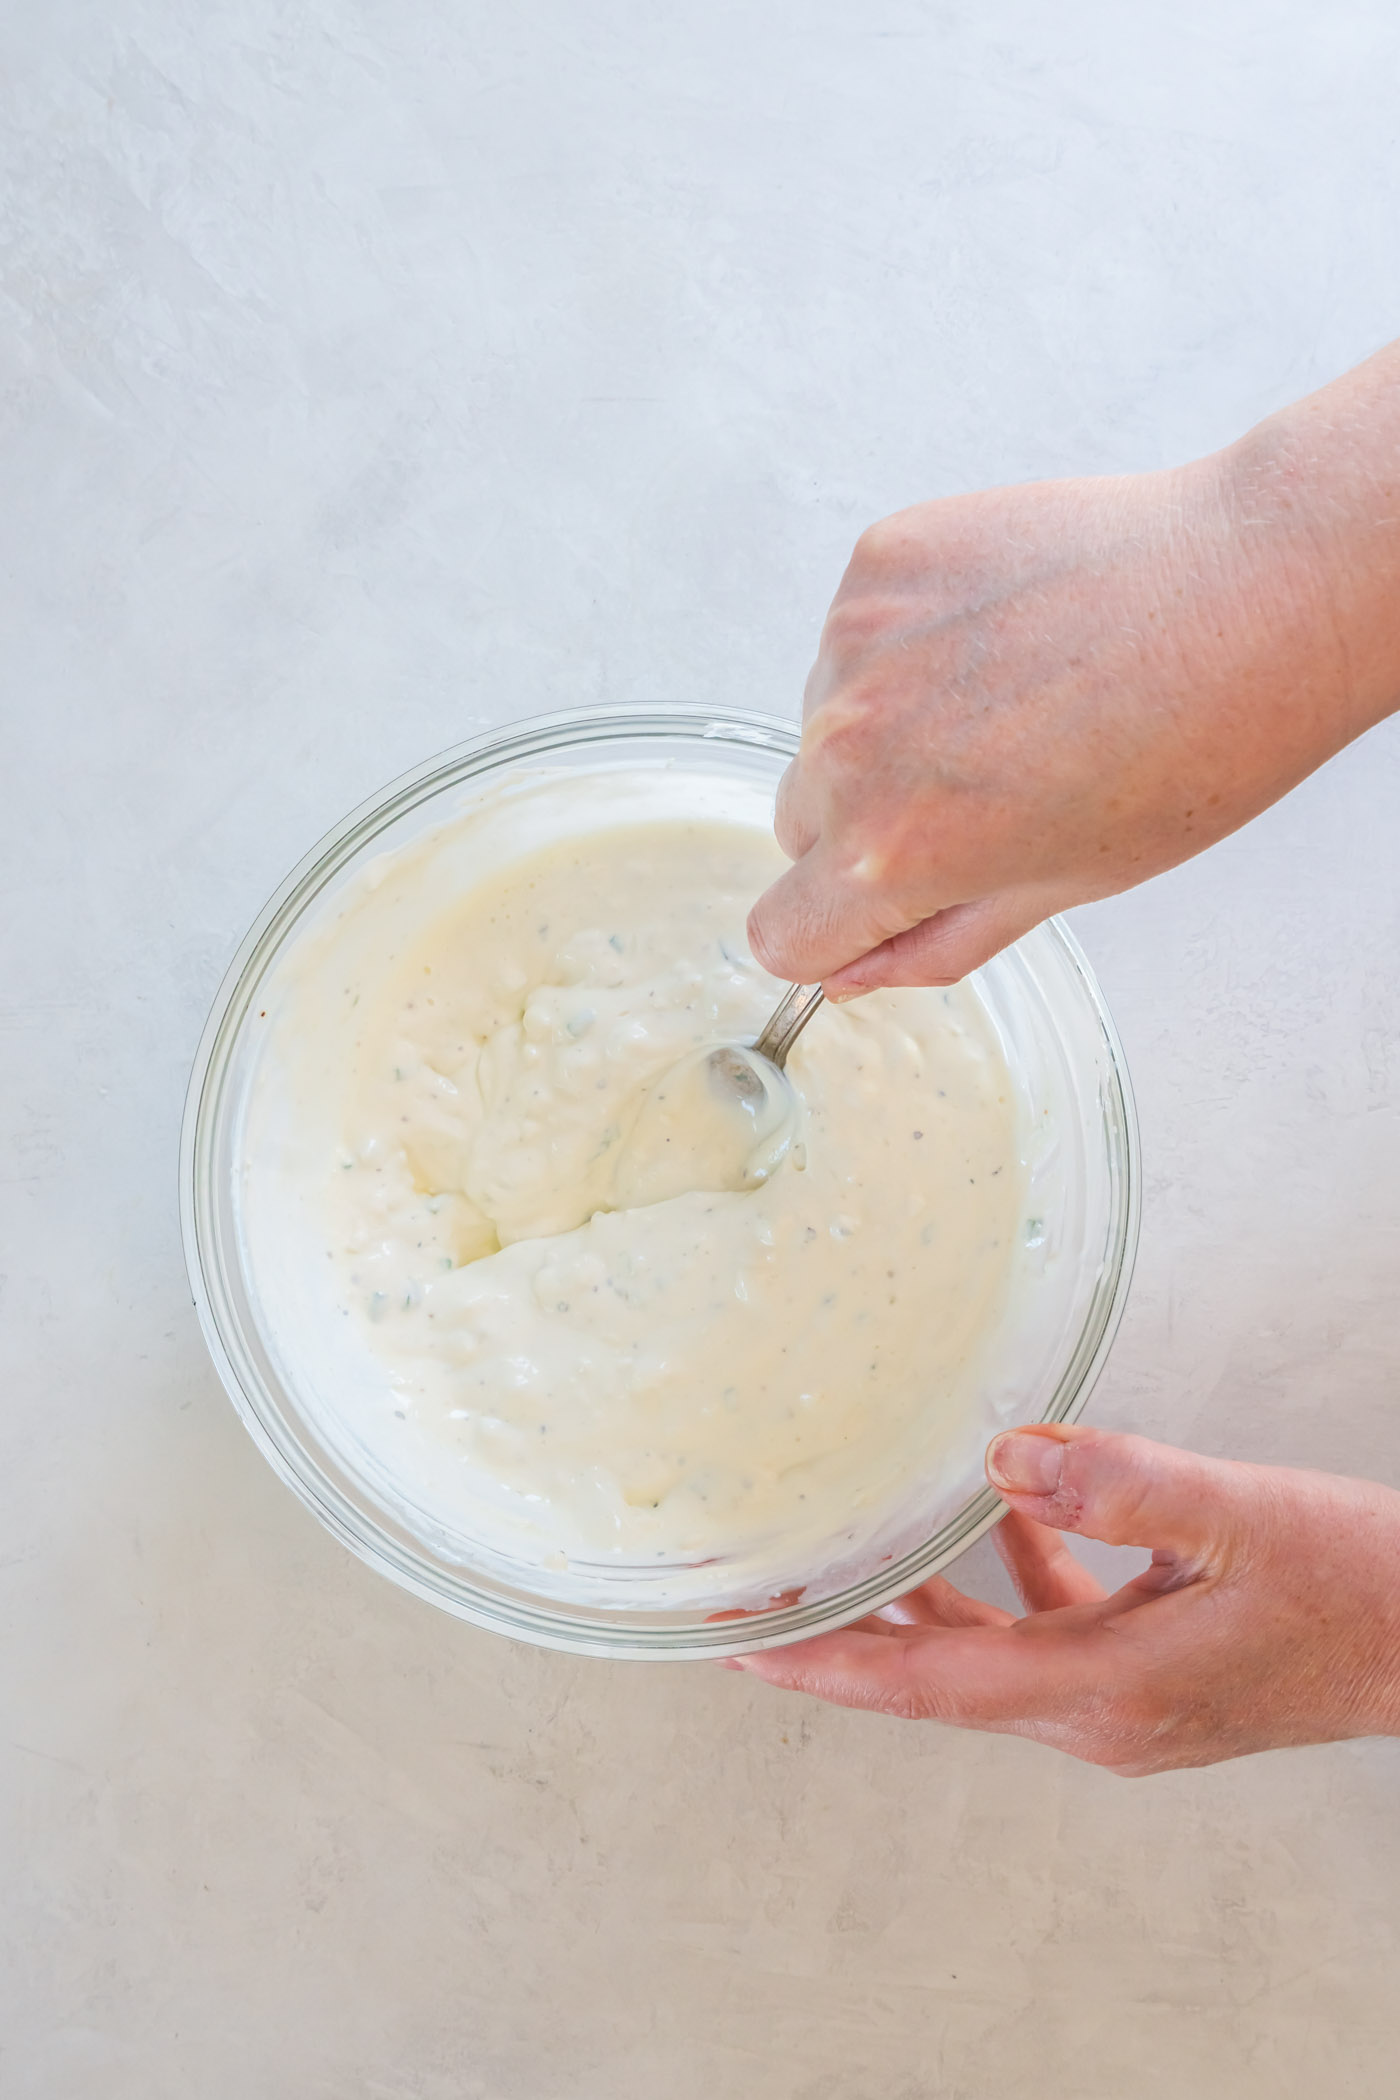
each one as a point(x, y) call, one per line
point(720, 1119)
point(748, 1068)
point(787, 1021)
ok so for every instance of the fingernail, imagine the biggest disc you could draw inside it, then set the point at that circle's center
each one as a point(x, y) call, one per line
point(730, 1662)
point(1025, 1465)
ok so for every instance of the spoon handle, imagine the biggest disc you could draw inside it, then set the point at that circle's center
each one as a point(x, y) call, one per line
point(787, 1021)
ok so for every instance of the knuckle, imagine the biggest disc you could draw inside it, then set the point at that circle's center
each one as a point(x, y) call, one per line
point(854, 625)
point(844, 735)
point(909, 1705)
point(788, 832)
point(1117, 1753)
point(790, 826)
point(883, 541)
point(915, 1694)
point(1106, 1479)
point(920, 1703)
point(1131, 1734)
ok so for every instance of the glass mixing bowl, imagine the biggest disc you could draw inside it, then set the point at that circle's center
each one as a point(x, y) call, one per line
point(1074, 1253)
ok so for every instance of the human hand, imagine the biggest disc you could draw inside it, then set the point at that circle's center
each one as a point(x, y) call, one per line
point(1270, 1615)
point(1032, 697)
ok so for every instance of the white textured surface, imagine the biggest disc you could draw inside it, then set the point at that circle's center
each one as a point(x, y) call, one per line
point(372, 374)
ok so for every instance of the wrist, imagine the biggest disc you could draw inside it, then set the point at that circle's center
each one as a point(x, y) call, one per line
point(1369, 1527)
point(1382, 1700)
point(1377, 1709)
point(1312, 498)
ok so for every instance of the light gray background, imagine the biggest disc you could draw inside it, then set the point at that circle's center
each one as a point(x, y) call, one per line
point(373, 374)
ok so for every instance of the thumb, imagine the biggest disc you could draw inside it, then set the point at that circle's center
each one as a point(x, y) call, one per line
point(1121, 1489)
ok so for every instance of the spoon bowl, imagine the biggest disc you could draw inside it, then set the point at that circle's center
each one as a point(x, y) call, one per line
point(723, 1118)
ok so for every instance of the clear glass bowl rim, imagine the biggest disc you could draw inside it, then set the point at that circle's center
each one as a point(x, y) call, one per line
point(261, 1409)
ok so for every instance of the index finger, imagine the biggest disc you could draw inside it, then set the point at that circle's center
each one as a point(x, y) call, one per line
point(974, 1677)
point(1041, 1565)
point(821, 914)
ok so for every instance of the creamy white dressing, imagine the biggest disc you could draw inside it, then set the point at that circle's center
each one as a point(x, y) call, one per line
point(454, 1122)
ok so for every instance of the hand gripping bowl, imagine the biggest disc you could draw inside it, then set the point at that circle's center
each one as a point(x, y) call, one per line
point(1075, 1249)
